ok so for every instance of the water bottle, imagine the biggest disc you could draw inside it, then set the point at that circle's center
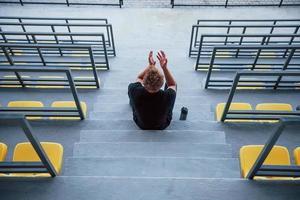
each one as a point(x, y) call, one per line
point(184, 113)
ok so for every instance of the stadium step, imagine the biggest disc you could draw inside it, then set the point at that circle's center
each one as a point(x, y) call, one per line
point(151, 149)
point(205, 137)
point(130, 125)
point(153, 167)
point(107, 188)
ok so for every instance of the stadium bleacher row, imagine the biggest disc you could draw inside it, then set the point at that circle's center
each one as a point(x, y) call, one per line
point(49, 53)
point(247, 61)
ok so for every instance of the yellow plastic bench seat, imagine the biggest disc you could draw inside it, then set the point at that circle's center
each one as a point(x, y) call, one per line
point(279, 155)
point(3, 151)
point(233, 106)
point(297, 155)
point(273, 107)
point(24, 152)
point(26, 104)
point(68, 104)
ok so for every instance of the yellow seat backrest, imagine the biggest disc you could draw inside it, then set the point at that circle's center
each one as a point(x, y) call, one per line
point(274, 107)
point(3, 151)
point(68, 104)
point(24, 104)
point(297, 155)
point(233, 106)
point(279, 155)
point(24, 152)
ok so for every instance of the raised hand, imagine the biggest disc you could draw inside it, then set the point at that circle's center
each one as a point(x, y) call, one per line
point(162, 59)
point(150, 59)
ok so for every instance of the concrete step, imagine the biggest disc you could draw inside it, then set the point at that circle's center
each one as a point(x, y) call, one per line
point(151, 149)
point(194, 109)
point(153, 167)
point(208, 137)
point(107, 188)
point(124, 99)
point(123, 111)
point(130, 125)
point(128, 115)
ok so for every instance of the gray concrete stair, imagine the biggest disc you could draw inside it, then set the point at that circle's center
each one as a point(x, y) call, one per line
point(153, 167)
point(109, 188)
point(130, 125)
point(153, 136)
point(151, 149)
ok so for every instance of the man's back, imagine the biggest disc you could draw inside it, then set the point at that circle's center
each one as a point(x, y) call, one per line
point(151, 110)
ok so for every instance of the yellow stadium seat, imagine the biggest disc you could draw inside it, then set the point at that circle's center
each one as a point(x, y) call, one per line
point(68, 104)
point(3, 151)
point(24, 152)
point(297, 155)
point(279, 155)
point(26, 104)
point(273, 107)
point(234, 106)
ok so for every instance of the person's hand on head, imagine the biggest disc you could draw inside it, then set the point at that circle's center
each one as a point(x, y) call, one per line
point(151, 60)
point(162, 59)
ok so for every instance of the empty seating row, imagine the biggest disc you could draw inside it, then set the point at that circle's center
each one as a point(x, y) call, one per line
point(24, 152)
point(223, 28)
point(208, 41)
point(66, 2)
point(270, 161)
point(35, 109)
point(277, 109)
point(251, 57)
point(75, 27)
point(97, 40)
point(38, 54)
point(279, 155)
point(228, 3)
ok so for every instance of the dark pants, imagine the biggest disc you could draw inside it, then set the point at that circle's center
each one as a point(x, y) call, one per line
point(162, 126)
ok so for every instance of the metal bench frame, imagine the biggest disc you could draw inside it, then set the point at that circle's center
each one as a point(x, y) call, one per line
point(243, 25)
point(99, 47)
point(204, 48)
point(257, 114)
point(24, 22)
point(227, 3)
point(45, 166)
point(258, 169)
point(64, 2)
point(38, 52)
point(45, 111)
point(288, 53)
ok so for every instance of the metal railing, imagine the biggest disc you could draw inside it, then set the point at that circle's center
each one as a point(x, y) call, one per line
point(267, 26)
point(271, 57)
point(229, 3)
point(293, 77)
point(93, 39)
point(44, 111)
point(65, 2)
point(45, 166)
point(46, 81)
point(38, 55)
point(259, 169)
point(208, 41)
point(67, 25)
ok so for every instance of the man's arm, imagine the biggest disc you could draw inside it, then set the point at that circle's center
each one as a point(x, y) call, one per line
point(168, 75)
point(151, 64)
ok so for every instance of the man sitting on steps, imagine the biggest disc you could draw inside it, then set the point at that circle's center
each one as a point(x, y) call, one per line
point(152, 107)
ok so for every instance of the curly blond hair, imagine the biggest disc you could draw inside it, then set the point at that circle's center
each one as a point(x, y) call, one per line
point(153, 80)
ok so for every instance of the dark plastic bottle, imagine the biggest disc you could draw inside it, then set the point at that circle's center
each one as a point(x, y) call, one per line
point(184, 113)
